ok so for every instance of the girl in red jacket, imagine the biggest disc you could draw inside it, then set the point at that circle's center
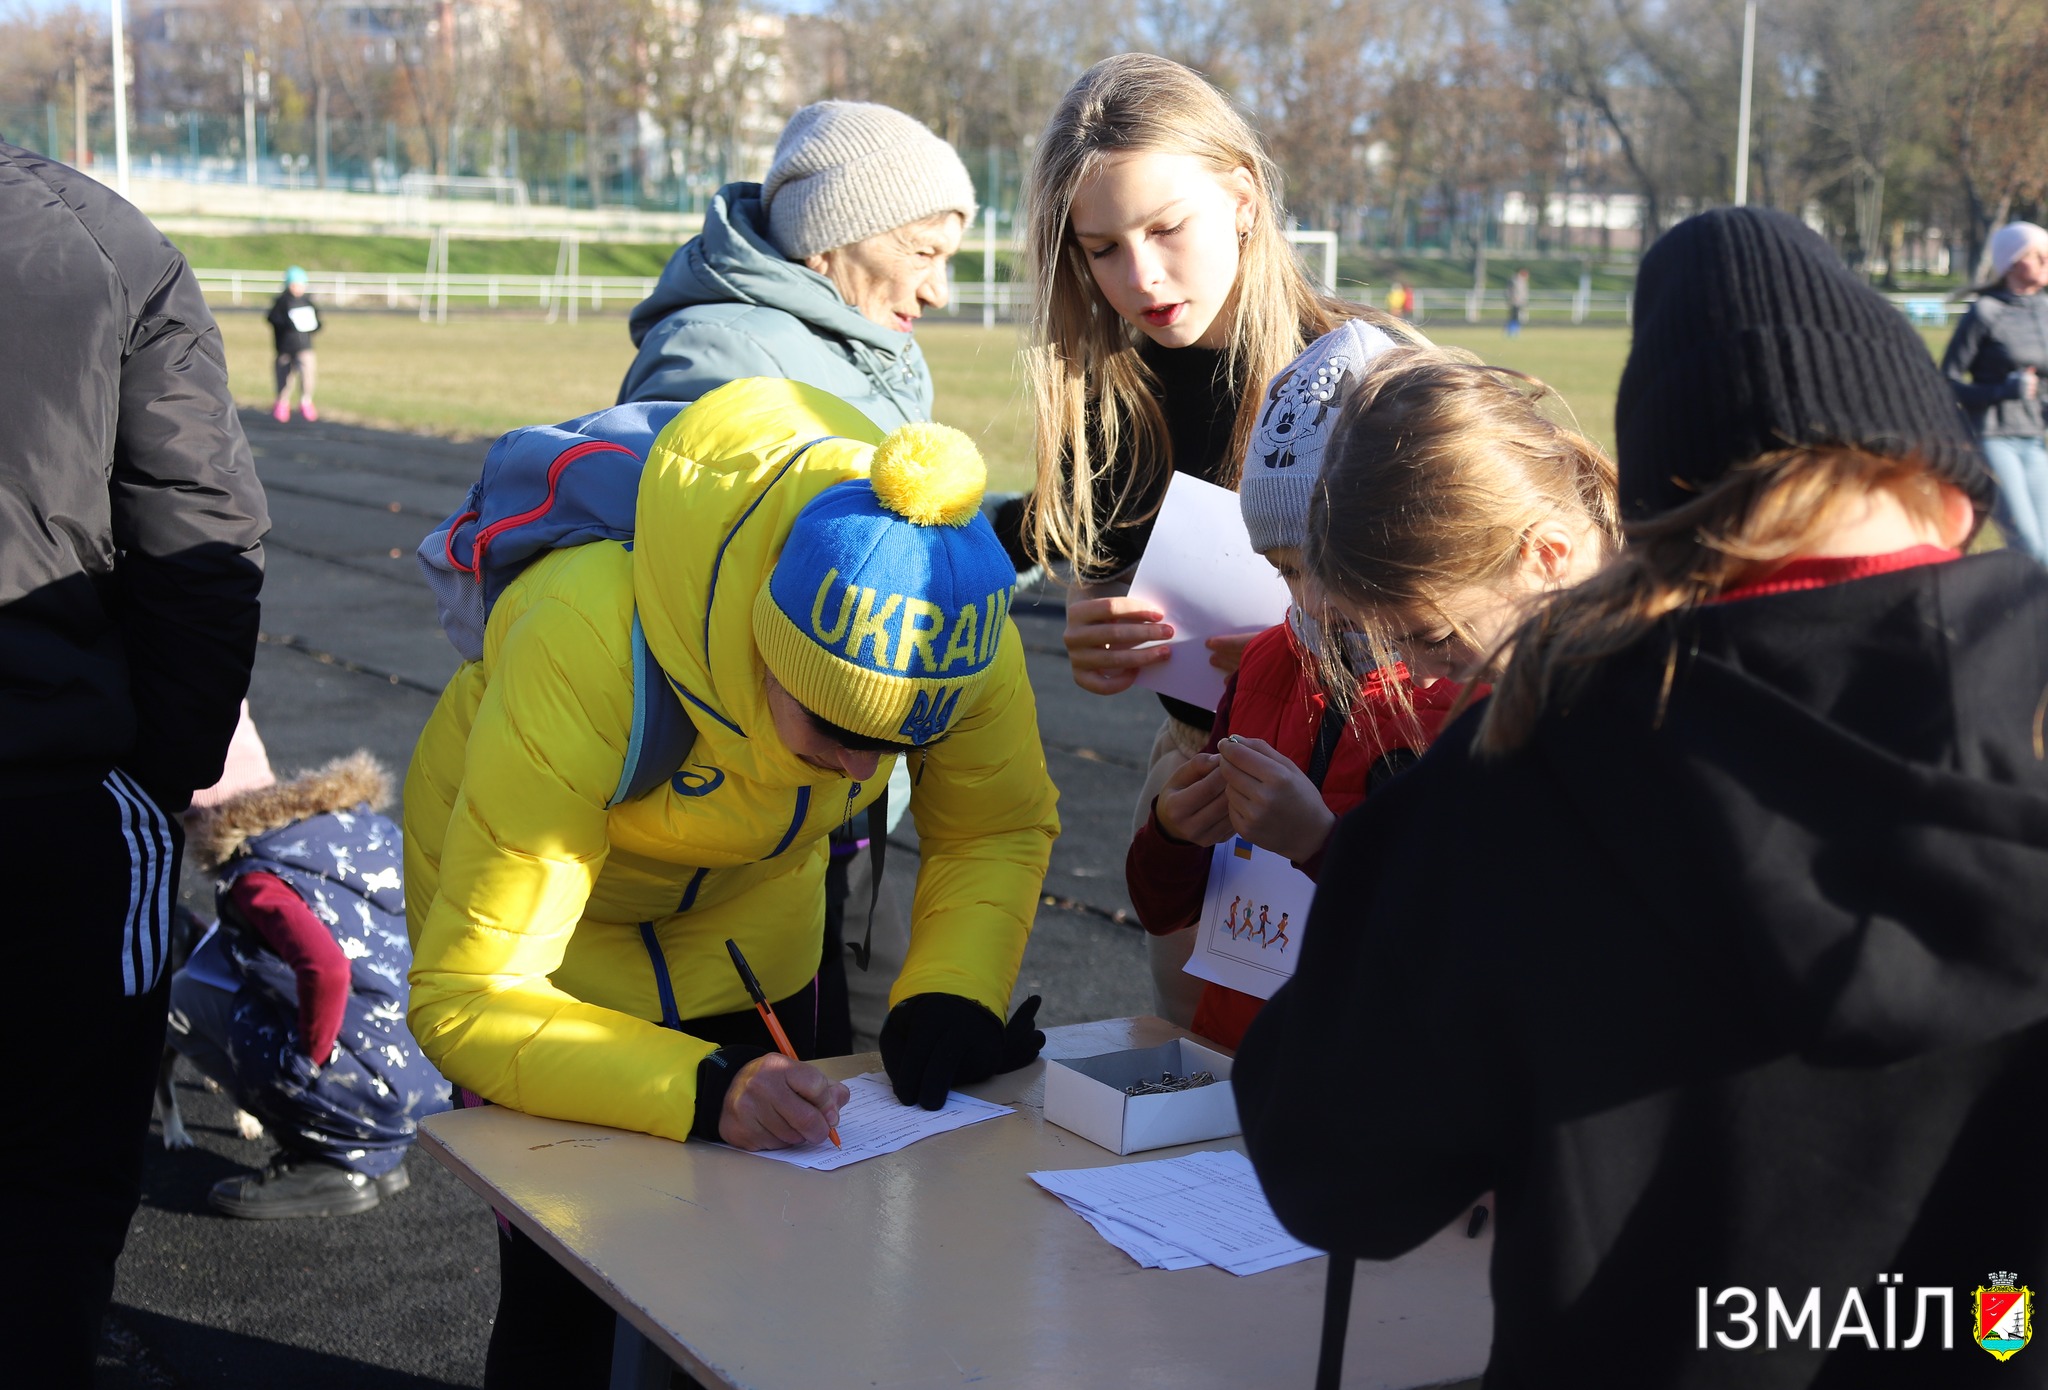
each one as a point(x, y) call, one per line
point(1454, 502)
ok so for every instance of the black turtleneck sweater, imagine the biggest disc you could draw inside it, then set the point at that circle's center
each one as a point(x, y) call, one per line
point(1200, 407)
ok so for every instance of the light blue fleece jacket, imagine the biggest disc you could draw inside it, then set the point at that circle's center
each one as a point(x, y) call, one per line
point(730, 305)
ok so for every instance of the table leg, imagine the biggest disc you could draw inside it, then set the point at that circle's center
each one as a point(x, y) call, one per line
point(636, 1363)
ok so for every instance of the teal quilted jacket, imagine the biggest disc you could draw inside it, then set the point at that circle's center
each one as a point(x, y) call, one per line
point(729, 305)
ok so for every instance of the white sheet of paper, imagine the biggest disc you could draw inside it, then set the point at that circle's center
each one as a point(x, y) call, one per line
point(1150, 1253)
point(305, 318)
point(873, 1122)
point(1200, 570)
point(1208, 1204)
point(1253, 913)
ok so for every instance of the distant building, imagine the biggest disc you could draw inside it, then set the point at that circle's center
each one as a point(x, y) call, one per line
point(1573, 221)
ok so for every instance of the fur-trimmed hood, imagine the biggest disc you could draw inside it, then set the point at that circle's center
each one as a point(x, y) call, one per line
point(215, 834)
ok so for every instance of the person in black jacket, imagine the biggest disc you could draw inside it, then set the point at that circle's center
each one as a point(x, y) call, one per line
point(130, 560)
point(1994, 363)
point(294, 319)
point(1713, 941)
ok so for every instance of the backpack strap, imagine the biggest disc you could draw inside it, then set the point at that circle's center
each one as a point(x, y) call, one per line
point(662, 734)
point(1328, 731)
point(878, 859)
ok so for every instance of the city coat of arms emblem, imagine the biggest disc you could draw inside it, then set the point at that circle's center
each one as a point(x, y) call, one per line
point(2004, 1319)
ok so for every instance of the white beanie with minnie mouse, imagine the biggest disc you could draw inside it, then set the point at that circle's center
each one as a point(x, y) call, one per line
point(1286, 453)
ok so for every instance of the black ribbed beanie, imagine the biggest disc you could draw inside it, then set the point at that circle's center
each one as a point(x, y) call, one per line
point(1752, 336)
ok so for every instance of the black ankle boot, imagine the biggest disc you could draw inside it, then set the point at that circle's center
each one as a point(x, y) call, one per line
point(295, 1186)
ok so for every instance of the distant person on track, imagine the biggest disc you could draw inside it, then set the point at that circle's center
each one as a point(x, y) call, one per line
point(1401, 300)
point(819, 274)
point(1994, 363)
point(130, 562)
point(1518, 301)
point(294, 319)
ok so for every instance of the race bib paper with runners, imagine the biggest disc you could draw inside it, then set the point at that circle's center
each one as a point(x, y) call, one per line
point(1252, 919)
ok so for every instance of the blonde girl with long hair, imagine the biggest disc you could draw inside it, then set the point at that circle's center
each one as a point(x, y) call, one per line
point(1165, 295)
point(1712, 940)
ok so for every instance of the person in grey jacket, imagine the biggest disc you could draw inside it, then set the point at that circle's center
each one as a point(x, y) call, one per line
point(817, 274)
point(1994, 363)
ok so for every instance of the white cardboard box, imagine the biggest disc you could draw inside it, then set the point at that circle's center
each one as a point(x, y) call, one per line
point(1086, 1095)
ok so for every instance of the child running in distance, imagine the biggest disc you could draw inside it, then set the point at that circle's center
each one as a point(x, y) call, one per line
point(294, 319)
point(1452, 499)
point(1713, 944)
point(1165, 296)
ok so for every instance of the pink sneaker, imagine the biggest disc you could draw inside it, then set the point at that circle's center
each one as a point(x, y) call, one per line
point(281, 412)
point(307, 409)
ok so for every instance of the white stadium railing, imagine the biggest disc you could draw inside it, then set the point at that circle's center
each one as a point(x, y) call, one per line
point(406, 289)
point(557, 293)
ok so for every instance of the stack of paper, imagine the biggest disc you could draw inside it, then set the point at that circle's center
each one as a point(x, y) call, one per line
point(1202, 1208)
point(873, 1122)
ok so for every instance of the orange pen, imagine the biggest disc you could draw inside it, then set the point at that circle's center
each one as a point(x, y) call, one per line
point(768, 1015)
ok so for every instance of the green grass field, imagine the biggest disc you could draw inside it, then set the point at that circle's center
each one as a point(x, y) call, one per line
point(479, 375)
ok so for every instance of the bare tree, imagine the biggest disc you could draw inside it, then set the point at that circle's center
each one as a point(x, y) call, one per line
point(310, 42)
point(1986, 61)
point(1309, 78)
point(983, 75)
point(603, 43)
point(1859, 109)
point(1590, 55)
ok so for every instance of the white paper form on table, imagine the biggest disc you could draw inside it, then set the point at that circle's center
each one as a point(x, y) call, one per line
point(1208, 1205)
point(1200, 570)
point(873, 1122)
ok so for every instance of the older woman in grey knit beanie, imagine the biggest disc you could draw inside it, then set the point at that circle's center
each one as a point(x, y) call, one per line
point(818, 273)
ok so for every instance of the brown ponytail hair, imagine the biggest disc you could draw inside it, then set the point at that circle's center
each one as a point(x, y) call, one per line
point(1758, 515)
point(1437, 469)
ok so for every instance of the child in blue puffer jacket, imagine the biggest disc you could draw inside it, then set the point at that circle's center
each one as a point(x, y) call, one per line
point(296, 1002)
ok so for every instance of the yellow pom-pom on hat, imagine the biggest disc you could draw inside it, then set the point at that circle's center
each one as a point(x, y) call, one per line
point(929, 474)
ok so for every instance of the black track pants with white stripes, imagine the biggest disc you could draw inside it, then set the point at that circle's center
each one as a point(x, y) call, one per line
point(87, 879)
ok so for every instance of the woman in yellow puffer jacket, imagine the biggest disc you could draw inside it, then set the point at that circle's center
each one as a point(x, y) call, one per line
point(818, 620)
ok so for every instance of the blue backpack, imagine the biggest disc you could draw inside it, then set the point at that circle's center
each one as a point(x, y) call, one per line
point(544, 487)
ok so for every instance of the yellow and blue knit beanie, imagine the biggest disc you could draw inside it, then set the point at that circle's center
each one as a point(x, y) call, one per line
point(887, 604)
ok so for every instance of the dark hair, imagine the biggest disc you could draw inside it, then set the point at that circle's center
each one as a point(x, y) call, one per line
point(858, 743)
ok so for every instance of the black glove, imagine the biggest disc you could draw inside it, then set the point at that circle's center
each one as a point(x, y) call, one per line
point(934, 1042)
